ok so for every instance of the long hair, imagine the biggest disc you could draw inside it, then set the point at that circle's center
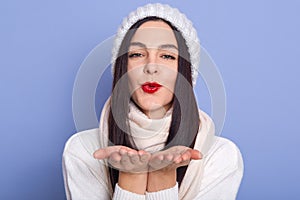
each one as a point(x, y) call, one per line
point(185, 117)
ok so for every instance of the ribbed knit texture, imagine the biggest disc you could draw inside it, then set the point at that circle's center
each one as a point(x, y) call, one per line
point(126, 195)
point(171, 193)
point(148, 134)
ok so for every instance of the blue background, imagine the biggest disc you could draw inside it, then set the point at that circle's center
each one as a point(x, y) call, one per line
point(255, 45)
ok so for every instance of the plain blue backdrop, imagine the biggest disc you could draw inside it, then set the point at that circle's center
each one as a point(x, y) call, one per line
point(255, 45)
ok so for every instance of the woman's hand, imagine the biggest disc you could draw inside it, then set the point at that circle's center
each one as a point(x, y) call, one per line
point(124, 158)
point(163, 165)
point(173, 158)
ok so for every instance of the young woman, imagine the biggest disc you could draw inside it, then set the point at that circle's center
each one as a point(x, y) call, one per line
point(153, 142)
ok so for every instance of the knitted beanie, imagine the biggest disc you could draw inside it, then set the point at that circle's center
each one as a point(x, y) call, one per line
point(172, 15)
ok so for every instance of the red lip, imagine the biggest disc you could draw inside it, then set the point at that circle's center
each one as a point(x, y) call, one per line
point(150, 87)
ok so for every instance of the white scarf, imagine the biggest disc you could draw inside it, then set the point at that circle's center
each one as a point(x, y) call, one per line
point(151, 135)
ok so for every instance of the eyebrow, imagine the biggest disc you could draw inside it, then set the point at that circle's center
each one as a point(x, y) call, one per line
point(139, 44)
point(163, 46)
point(168, 46)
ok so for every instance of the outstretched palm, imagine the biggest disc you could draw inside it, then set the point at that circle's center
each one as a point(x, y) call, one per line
point(124, 158)
point(133, 161)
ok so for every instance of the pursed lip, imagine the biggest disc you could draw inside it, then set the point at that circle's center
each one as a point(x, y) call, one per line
point(150, 87)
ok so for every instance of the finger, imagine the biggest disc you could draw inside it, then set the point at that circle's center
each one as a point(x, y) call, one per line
point(142, 152)
point(127, 149)
point(184, 159)
point(105, 152)
point(125, 160)
point(167, 160)
point(186, 156)
point(177, 158)
point(123, 151)
point(195, 154)
point(144, 157)
point(115, 159)
point(134, 158)
point(169, 157)
point(156, 160)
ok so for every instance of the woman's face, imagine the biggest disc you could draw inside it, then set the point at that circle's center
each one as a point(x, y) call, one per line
point(152, 67)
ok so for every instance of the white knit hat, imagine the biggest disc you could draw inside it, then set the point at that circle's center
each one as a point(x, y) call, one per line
point(176, 18)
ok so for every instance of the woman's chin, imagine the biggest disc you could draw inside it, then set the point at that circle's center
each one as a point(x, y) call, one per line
point(154, 111)
point(151, 107)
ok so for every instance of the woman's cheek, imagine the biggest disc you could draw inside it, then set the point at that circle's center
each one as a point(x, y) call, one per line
point(170, 80)
point(133, 79)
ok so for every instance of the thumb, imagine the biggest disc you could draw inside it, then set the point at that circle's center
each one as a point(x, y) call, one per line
point(195, 154)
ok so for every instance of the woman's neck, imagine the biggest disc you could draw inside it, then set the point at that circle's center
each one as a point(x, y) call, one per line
point(157, 113)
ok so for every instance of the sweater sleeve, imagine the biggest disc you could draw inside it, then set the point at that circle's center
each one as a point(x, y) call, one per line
point(81, 182)
point(121, 194)
point(222, 173)
point(84, 176)
point(171, 193)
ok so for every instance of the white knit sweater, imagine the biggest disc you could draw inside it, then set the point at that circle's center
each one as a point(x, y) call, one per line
point(216, 177)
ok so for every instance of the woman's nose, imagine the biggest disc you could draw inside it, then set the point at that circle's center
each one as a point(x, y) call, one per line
point(151, 66)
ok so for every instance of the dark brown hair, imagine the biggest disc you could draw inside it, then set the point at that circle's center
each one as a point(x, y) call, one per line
point(185, 117)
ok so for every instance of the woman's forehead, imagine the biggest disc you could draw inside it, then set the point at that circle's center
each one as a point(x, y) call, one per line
point(153, 34)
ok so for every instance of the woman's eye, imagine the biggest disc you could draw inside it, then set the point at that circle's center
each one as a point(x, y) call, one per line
point(168, 57)
point(134, 55)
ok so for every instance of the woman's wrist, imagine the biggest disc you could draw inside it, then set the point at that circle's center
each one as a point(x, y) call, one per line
point(161, 180)
point(133, 182)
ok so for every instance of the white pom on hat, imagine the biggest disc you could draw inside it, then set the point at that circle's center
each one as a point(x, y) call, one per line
point(176, 18)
